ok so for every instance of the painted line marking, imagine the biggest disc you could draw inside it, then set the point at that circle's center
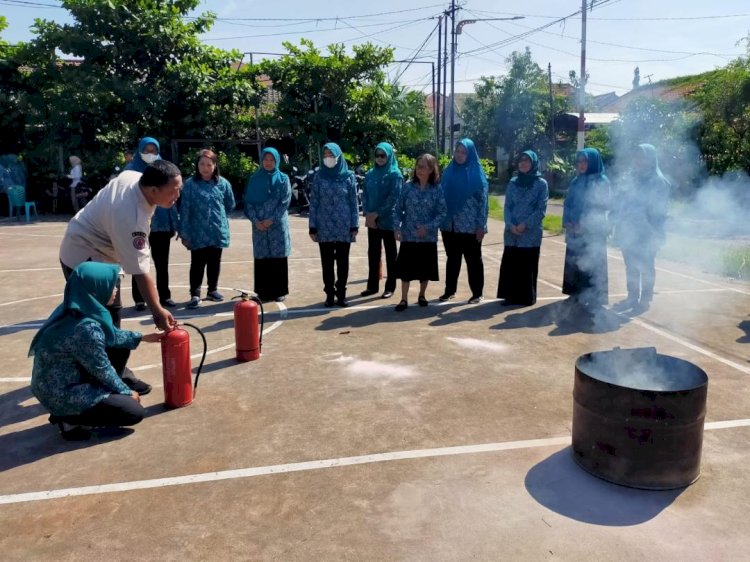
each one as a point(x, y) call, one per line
point(306, 466)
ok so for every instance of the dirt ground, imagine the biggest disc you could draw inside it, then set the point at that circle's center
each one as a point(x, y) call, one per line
point(439, 433)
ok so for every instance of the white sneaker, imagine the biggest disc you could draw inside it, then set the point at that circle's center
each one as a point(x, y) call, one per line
point(195, 302)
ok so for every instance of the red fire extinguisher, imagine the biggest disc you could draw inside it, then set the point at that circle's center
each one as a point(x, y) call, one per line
point(248, 335)
point(179, 389)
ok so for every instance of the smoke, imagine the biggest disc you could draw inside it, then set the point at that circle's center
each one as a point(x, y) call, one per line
point(373, 369)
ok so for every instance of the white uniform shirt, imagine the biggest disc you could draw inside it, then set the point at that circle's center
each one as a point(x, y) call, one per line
point(112, 228)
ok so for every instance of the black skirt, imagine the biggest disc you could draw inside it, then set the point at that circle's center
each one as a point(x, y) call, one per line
point(585, 273)
point(417, 261)
point(518, 273)
point(271, 278)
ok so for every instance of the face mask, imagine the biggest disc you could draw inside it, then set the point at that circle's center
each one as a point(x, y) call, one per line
point(330, 162)
point(149, 158)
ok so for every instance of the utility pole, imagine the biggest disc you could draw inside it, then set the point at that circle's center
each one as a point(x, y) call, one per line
point(551, 108)
point(453, 69)
point(436, 100)
point(445, 80)
point(582, 78)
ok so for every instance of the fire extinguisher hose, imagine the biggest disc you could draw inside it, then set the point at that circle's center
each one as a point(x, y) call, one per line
point(203, 358)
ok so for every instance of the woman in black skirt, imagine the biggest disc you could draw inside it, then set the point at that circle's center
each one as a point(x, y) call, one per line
point(525, 207)
point(420, 210)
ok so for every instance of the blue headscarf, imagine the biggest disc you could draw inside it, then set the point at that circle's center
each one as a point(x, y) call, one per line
point(340, 169)
point(596, 164)
point(87, 293)
point(259, 185)
point(137, 162)
point(528, 179)
point(377, 173)
point(461, 181)
point(652, 164)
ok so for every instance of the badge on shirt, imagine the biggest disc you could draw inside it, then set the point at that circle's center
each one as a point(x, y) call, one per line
point(140, 240)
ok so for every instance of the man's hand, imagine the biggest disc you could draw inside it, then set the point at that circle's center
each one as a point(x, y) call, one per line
point(164, 319)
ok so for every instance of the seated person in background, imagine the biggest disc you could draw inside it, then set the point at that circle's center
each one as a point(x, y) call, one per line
point(72, 376)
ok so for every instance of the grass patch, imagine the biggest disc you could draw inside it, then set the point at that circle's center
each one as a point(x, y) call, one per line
point(711, 256)
point(551, 223)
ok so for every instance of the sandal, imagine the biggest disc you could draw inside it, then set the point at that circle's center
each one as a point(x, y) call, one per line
point(400, 307)
point(422, 301)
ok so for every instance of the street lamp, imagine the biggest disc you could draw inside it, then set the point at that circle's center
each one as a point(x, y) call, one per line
point(456, 32)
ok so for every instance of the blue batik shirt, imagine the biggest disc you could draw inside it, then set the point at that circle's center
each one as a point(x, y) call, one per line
point(334, 209)
point(204, 213)
point(419, 207)
point(525, 205)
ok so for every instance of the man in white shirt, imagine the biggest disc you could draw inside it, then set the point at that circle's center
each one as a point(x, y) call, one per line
point(114, 228)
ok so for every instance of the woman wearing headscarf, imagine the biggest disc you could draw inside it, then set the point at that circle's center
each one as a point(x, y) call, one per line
point(334, 220)
point(639, 226)
point(164, 224)
point(525, 207)
point(77, 194)
point(466, 195)
point(72, 376)
point(267, 196)
point(586, 229)
point(379, 198)
point(207, 200)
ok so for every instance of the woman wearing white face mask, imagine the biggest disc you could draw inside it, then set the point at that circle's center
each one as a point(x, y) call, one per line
point(164, 225)
point(334, 220)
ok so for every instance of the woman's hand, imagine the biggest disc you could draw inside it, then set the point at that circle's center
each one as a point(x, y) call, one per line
point(135, 396)
point(421, 231)
point(314, 237)
point(153, 337)
point(480, 234)
point(397, 235)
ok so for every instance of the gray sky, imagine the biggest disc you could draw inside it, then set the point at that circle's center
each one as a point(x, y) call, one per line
point(664, 38)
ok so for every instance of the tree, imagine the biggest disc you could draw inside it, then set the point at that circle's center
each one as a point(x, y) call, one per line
point(137, 67)
point(513, 111)
point(336, 98)
point(11, 114)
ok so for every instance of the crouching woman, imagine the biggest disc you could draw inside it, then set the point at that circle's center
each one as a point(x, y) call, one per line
point(72, 376)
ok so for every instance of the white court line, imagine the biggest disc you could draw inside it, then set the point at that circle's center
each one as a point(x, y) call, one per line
point(31, 299)
point(15, 234)
point(305, 466)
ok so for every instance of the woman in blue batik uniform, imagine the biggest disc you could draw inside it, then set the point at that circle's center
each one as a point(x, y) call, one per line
point(164, 224)
point(207, 199)
point(525, 207)
point(420, 211)
point(267, 197)
point(334, 220)
point(586, 230)
point(72, 376)
point(466, 195)
point(381, 192)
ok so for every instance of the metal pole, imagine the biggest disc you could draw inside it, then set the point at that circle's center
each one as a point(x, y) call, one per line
point(582, 79)
point(551, 108)
point(434, 107)
point(445, 81)
point(436, 100)
point(453, 69)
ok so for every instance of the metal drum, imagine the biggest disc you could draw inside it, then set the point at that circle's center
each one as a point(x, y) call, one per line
point(638, 418)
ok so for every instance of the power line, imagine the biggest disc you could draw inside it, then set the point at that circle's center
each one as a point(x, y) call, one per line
point(434, 29)
point(24, 4)
point(687, 18)
point(335, 18)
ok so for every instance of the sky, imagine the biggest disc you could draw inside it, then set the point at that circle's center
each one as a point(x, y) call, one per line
point(664, 38)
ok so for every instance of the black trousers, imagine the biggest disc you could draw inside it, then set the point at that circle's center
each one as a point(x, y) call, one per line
point(460, 245)
point(338, 253)
point(159, 242)
point(116, 410)
point(376, 237)
point(117, 356)
point(210, 260)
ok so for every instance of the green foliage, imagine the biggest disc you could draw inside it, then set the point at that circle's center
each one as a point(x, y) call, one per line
point(235, 166)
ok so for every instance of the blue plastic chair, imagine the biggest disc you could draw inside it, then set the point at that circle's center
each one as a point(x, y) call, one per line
point(17, 200)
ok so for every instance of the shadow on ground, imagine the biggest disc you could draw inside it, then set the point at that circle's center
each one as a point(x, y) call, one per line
point(560, 485)
point(11, 409)
point(745, 327)
point(565, 319)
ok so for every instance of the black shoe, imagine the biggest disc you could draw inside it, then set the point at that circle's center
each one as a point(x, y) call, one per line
point(447, 296)
point(73, 432)
point(403, 305)
point(134, 383)
point(386, 295)
point(140, 306)
point(169, 303)
point(368, 292)
point(329, 301)
point(422, 301)
point(341, 301)
point(476, 299)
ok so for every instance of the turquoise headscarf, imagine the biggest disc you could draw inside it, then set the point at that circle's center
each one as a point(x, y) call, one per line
point(596, 164)
point(652, 163)
point(87, 293)
point(340, 169)
point(377, 173)
point(137, 162)
point(259, 185)
point(461, 181)
point(528, 179)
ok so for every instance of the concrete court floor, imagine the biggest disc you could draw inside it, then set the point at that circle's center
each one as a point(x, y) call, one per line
point(363, 434)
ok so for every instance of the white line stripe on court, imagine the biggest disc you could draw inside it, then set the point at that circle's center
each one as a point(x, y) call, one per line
point(305, 466)
point(31, 299)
